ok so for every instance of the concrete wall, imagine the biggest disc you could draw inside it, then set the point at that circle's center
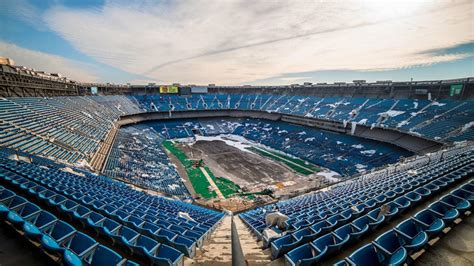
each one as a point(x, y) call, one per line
point(401, 139)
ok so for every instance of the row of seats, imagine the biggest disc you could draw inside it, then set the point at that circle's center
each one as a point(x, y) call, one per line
point(119, 235)
point(364, 224)
point(137, 156)
point(404, 114)
point(360, 193)
point(155, 217)
point(335, 241)
point(53, 235)
point(314, 215)
point(395, 246)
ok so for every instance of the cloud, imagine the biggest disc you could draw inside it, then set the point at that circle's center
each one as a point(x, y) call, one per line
point(239, 41)
point(72, 69)
point(23, 11)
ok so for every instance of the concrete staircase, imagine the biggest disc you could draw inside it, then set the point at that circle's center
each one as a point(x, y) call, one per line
point(252, 247)
point(217, 249)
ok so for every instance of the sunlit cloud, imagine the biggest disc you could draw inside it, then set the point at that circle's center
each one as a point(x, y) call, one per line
point(236, 42)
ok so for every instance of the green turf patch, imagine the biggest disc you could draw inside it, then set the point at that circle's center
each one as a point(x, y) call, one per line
point(197, 178)
point(199, 181)
point(296, 164)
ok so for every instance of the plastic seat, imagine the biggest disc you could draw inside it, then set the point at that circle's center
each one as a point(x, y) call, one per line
point(392, 245)
point(369, 255)
point(165, 255)
point(345, 216)
point(459, 203)
point(11, 203)
point(447, 212)
point(371, 203)
point(81, 213)
point(331, 222)
point(94, 220)
point(468, 187)
point(357, 210)
point(55, 235)
point(318, 227)
point(68, 206)
point(126, 236)
point(403, 203)
point(17, 215)
point(283, 244)
point(142, 245)
point(82, 245)
point(329, 243)
point(362, 224)
point(342, 263)
point(460, 192)
point(431, 222)
point(104, 256)
point(432, 187)
point(413, 197)
point(392, 211)
point(348, 232)
point(413, 233)
point(56, 200)
point(6, 194)
point(34, 224)
point(423, 192)
point(46, 194)
point(377, 218)
point(306, 254)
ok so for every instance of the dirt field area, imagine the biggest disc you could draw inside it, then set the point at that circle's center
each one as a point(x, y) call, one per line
point(247, 169)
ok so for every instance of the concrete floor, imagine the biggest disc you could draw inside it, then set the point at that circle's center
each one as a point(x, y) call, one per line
point(14, 251)
point(455, 248)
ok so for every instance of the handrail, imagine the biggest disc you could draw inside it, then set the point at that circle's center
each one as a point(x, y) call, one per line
point(238, 258)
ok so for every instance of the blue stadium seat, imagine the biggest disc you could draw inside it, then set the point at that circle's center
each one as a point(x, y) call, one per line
point(447, 212)
point(18, 214)
point(459, 203)
point(465, 194)
point(55, 235)
point(393, 246)
point(303, 255)
point(413, 233)
point(431, 222)
point(371, 255)
point(330, 243)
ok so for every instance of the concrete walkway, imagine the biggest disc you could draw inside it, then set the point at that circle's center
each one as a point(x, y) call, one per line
point(251, 247)
point(218, 249)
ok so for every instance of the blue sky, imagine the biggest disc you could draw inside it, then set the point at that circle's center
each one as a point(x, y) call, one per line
point(240, 42)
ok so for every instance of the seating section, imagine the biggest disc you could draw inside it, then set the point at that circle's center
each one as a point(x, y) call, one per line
point(137, 152)
point(72, 128)
point(322, 223)
point(53, 235)
point(63, 128)
point(146, 227)
point(443, 119)
point(411, 235)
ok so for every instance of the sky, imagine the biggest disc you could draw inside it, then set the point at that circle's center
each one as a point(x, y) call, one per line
point(239, 42)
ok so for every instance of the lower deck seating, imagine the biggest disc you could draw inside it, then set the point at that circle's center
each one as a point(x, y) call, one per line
point(321, 224)
point(145, 227)
point(54, 236)
point(395, 246)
